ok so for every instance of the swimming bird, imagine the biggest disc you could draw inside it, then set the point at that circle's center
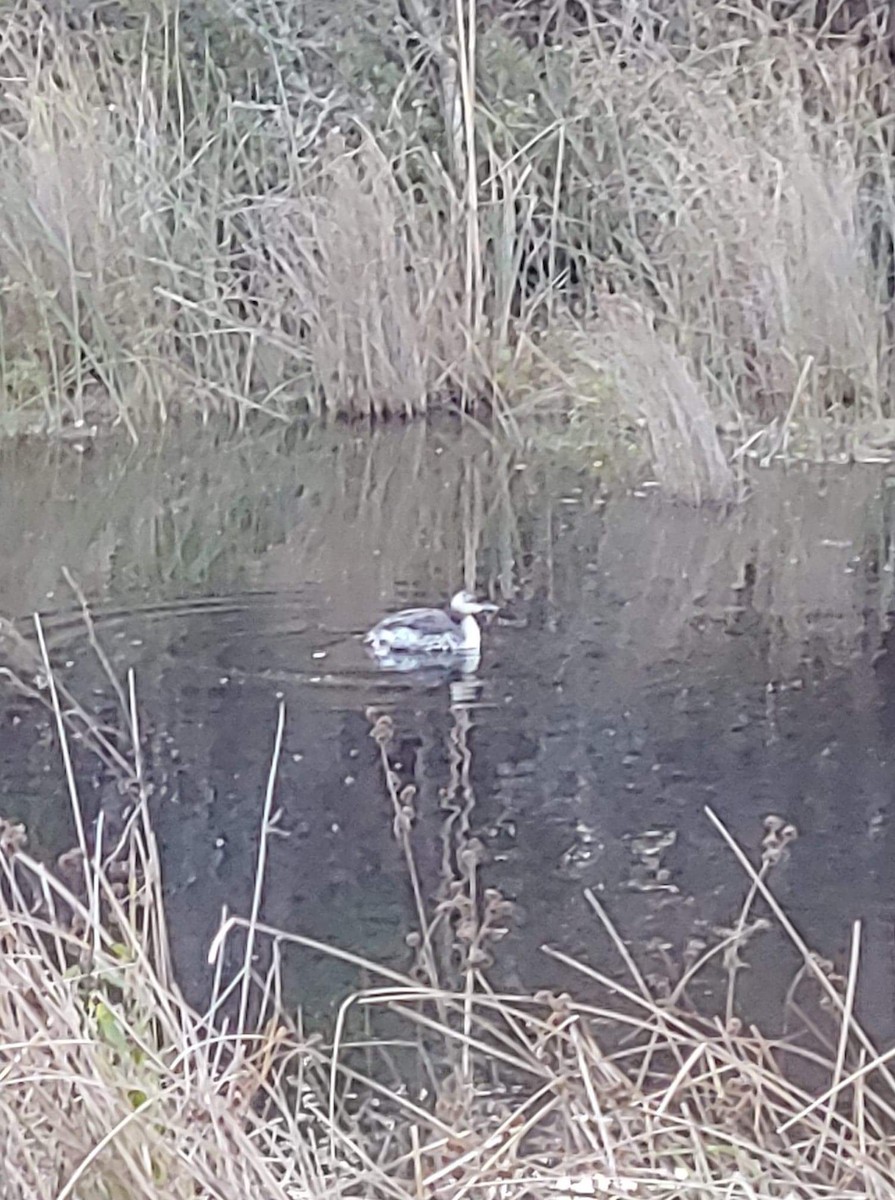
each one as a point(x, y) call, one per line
point(431, 631)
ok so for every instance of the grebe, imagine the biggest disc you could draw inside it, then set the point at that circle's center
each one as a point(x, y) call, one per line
point(431, 631)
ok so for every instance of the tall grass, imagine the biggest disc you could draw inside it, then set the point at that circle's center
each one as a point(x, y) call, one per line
point(358, 213)
point(113, 1086)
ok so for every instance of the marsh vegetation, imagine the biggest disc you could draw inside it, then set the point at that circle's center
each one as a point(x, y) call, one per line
point(662, 225)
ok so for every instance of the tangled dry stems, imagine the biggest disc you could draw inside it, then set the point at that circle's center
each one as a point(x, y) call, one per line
point(113, 1086)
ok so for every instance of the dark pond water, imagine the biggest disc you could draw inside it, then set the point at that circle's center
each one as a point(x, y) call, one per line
point(650, 660)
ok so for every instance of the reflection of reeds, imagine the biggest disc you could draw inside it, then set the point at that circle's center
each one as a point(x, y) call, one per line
point(410, 508)
point(114, 1086)
point(802, 561)
point(367, 521)
point(404, 504)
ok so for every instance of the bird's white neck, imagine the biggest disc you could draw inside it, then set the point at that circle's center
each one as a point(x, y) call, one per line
point(472, 634)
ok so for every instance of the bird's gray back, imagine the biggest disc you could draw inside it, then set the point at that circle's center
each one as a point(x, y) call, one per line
point(422, 620)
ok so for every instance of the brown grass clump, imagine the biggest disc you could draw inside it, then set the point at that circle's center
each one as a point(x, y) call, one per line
point(659, 386)
point(373, 286)
point(72, 257)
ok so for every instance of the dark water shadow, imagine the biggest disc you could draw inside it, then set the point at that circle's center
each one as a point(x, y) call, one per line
point(650, 660)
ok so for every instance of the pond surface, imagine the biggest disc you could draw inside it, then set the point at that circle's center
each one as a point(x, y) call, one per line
point(650, 660)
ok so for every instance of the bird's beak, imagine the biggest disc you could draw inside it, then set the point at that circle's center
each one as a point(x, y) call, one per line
point(485, 606)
